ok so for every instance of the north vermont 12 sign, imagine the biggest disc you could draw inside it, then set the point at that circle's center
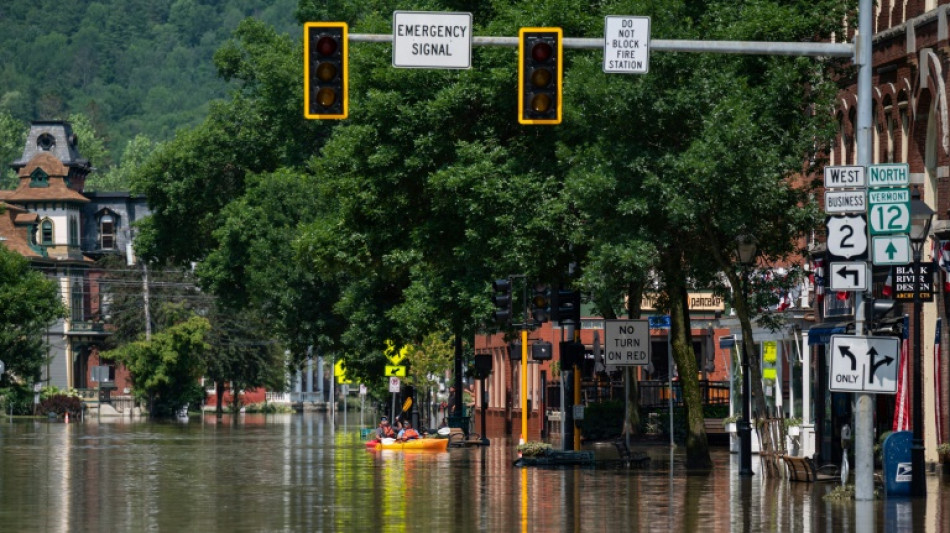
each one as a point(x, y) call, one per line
point(864, 364)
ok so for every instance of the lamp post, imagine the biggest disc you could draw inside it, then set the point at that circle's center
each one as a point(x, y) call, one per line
point(921, 216)
point(745, 252)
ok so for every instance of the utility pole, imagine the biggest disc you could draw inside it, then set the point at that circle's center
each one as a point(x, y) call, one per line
point(148, 314)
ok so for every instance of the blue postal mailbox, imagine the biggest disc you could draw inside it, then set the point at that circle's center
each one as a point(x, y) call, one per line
point(897, 470)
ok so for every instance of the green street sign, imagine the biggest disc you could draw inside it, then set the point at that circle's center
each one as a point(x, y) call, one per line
point(889, 175)
point(889, 211)
point(890, 250)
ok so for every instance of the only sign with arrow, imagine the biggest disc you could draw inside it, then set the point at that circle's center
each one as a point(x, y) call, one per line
point(849, 276)
point(864, 364)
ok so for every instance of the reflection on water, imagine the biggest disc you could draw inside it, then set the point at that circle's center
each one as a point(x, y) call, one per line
point(302, 473)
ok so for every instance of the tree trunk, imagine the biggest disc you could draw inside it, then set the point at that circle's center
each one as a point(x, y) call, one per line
point(697, 446)
point(749, 350)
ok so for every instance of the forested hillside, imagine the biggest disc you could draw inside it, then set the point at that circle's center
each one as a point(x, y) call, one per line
point(130, 66)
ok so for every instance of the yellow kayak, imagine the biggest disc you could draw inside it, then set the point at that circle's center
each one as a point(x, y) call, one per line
point(437, 445)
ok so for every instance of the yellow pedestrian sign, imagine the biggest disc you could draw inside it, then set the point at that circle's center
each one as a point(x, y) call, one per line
point(395, 370)
point(395, 357)
point(339, 368)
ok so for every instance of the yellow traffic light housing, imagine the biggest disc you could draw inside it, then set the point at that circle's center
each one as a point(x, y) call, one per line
point(325, 84)
point(540, 73)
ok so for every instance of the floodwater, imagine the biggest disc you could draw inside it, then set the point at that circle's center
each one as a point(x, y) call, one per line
point(302, 473)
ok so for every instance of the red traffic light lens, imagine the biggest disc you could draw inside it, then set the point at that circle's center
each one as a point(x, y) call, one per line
point(326, 71)
point(541, 77)
point(326, 97)
point(541, 52)
point(540, 103)
point(326, 46)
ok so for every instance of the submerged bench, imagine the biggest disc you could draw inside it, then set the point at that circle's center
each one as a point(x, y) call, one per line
point(803, 469)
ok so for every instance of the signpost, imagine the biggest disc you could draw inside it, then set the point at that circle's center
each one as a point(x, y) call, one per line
point(864, 364)
point(432, 39)
point(626, 45)
point(890, 250)
point(847, 236)
point(627, 342)
point(889, 211)
point(907, 279)
point(851, 276)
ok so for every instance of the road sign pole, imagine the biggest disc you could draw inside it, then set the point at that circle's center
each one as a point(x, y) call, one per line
point(863, 414)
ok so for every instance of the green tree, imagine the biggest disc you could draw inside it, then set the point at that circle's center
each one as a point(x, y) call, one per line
point(29, 304)
point(12, 141)
point(166, 370)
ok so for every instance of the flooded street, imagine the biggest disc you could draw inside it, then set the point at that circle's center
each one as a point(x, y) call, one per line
point(302, 473)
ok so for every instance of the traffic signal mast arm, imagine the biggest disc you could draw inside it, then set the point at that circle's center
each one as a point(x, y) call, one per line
point(666, 45)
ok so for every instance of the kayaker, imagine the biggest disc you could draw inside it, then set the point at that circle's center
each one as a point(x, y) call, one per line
point(384, 430)
point(407, 433)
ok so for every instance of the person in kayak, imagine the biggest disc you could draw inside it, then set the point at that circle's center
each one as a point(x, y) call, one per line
point(384, 430)
point(407, 432)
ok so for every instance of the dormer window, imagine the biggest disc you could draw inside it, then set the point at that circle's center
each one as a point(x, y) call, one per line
point(107, 232)
point(39, 178)
point(46, 233)
point(45, 142)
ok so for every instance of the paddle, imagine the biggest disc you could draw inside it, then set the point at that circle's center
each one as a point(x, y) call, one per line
point(406, 405)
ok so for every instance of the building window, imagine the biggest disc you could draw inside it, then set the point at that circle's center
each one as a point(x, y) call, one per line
point(73, 232)
point(107, 232)
point(39, 179)
point(46, 233)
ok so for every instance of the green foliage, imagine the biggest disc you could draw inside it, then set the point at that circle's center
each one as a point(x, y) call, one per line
point(29, 304)
point(268, 408)
point(12, 140)
point(17, 399)
point(165, 370)
point(132, 66)
point(534, 449)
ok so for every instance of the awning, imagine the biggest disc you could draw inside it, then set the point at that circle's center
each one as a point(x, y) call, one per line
point(727, 341)
point(821, 333)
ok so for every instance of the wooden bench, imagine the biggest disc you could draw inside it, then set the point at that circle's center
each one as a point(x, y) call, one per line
point(714, 426)
point(803, 469)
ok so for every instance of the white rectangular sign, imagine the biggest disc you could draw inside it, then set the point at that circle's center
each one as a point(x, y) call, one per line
point(432, 39)
point(864, 364)
point(626, 45)
point(845, 201)
point(844, 177)
point(889, 175)
point(890, 250)
point(851, 276)
point(394, 384)
point(627, 342)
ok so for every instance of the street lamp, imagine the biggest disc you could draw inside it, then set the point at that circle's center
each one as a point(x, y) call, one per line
point(921, 217)
point(745, 253)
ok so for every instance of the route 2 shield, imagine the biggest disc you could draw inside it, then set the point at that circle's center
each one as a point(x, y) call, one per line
point(847, 236)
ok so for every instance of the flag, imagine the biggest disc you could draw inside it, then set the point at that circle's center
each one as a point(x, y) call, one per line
point(902, 401)
point(938, 404)
point(943, 263)
point(819, 280)
point(888, 289)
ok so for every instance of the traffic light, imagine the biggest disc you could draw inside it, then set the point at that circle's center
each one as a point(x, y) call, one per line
point(325, 86)
point(567, 306)
point(502, 300)
point(540, 69)
point(482, 365)
point(571, 353)
point(882, 317)
point(541, 351)
point(541, 303)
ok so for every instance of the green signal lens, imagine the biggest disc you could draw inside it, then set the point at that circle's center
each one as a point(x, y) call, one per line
point(541, 78)
point(326, 97)
point(326, 71)
point(326, 46)
point(541, 103)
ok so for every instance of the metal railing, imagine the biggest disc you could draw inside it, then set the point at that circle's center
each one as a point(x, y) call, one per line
point(653, 393)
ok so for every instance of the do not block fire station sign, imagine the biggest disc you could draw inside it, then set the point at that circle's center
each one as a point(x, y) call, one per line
point(864, 364)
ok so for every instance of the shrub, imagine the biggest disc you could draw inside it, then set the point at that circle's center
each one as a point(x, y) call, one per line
point(60, 404)
point(533, 449)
